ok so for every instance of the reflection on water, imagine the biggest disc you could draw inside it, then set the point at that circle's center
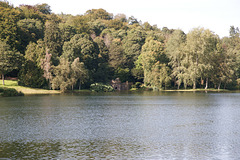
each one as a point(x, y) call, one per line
point(147, 125)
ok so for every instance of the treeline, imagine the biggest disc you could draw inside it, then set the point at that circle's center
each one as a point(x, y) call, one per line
point(66, 52)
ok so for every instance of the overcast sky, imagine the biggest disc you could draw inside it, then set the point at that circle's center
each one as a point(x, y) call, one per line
point(216, 15)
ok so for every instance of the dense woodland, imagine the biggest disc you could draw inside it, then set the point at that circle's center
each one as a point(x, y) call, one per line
point(65, 52)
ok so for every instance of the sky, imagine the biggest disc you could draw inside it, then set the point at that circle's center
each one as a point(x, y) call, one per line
point(216, 15)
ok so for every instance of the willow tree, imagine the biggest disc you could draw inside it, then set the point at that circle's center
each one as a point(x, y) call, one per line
point(200, 46)
point(175, 52)
point(67, 74)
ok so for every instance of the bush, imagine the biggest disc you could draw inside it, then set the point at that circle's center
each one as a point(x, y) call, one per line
point(138, 84)
point(9, 92)
point(31, 76)
point(99, 87)
point(1, 90)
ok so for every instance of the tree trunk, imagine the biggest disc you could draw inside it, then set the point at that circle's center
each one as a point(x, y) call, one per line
point(219, 85)
point(3, 79)
point(194, 85)
point(79, 85)
point(72, 87)
point(206, 83)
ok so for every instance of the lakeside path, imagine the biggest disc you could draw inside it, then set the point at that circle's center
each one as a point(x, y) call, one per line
point(27, 90)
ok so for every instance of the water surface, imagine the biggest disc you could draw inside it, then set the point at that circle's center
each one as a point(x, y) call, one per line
point(146, 125)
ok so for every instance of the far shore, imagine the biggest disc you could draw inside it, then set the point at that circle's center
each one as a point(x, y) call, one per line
point(36, 91)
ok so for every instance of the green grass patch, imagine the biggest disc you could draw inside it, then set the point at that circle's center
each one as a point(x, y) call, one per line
point(26, 90)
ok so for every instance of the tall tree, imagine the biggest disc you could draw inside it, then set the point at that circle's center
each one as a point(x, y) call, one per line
point(175, 51)
point(154, 61)
point(52, 39)
point(10, 59)
point(132, 45)
point(46, 66)
point(200, 45)
point(8, 24)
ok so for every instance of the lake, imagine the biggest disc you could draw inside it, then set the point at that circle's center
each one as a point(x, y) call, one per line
point(140, 125)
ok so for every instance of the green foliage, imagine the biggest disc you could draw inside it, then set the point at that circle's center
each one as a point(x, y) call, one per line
point(132, 45)
point(95, 14)
point(1, 89)
point(154, 61)
point(30, 30)
point(10, 59)
point(67, 74)
point(52, 40)
point(83, 47)
point(10, 92)
point(35, 52)
point(31, 12)
point(137, 85)
point(31, 75)
point(8, 24)
point(175, 51)
point(116, 54)
point(99, 87)
point(97, 48)
point(44, 8)
point(123, 74)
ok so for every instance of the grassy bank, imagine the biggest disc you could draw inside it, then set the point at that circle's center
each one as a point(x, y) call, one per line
point(185, 90)
point(26, 90)
point(199, 90)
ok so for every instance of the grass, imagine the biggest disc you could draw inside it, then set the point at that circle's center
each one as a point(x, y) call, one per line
point(199, 89)
point(187, 90)
point(26, 90)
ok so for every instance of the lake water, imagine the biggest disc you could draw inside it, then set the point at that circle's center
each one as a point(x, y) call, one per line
point(146, 125)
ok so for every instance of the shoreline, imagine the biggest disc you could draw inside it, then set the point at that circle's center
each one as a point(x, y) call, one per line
point(38, 91)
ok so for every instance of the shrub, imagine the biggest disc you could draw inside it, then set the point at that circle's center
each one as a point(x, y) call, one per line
point(1, 90)
point(99, 87)
point(9, 92)
point(138, 84)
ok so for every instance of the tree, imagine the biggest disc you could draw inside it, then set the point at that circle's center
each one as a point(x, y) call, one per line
point(82, 46)
point(31, 12)
point(62, 79)
point(8, 24)
point(103, 72)
point(132, 45)
point(47, 68)
point(10, 59)
point(79, 72)
point(52, 40)
point(200, 45)
point(116, 54)
point(31, 75)
point(67, 32)
point(98, 14)
point(80, 23)
point(175, 52)
point(44, 8)
point(30, 30)
point(67, 74)
point(36, 52)
point(154, 62)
